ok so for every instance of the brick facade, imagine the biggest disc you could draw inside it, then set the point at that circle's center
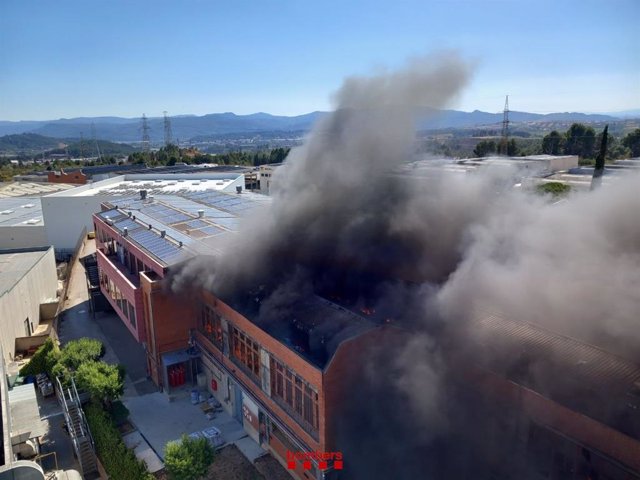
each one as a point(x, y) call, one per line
point(76, 177)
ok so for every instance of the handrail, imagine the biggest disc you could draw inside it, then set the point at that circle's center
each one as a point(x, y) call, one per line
point(65, 407)
point(80, 412)
point(74, 399)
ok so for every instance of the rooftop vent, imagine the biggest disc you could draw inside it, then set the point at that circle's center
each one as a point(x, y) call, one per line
point(6, 212)
point(143, 194)
point(28, 205)
point(195, 183)
point(150, 226)
point(129, 213)
point(108, 221)
point(219, 183)
point(163, 233)
point(125, 232)
point(238, 189)
point(180, 243)
point(32, 221)
point(200, 213)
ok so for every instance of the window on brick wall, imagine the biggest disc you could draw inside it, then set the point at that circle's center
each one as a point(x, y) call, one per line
point(132, 315)
point(211, 324)
point(246, 352)
point(298, 397)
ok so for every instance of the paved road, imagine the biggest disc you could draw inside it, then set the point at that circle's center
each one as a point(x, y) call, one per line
point(77, 321)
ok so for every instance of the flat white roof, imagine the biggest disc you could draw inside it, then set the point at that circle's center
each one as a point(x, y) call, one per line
point(156, 187)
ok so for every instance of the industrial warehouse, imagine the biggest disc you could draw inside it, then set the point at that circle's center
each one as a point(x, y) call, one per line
point(288, 358)
point(287, 378)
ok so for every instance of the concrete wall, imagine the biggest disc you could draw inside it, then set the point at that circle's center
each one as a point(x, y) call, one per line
point(65, 217)
point(23, 301)
point(23, 236)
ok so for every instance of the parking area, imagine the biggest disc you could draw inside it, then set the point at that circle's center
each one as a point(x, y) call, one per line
point(161, 421)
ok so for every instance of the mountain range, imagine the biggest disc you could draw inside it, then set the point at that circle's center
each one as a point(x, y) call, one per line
point(186, 127)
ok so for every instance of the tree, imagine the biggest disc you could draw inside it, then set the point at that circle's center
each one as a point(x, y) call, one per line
point(632, 142)
point(552, 143)
point(77, 352)
point(484, 148)
point(104, 381)
point(580, 140)
point(188, 459)
point(43, 360)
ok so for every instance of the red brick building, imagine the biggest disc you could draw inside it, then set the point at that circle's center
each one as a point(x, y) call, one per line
point(285, 380)
point(76, 177)
point(281, 380)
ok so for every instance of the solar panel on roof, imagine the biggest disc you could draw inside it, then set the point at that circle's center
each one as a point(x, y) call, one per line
point(127, 223)
point(156, 245)
point(211, 230)
point(197, 224)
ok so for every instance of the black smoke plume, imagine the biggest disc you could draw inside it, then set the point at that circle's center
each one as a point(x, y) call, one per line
point(343, 223)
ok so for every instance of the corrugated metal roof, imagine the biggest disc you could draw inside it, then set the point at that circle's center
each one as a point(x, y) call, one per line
point(21, 211)
point(22, 189)
point(15, 265)
point(588, 363)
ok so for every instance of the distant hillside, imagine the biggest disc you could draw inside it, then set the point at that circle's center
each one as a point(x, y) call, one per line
point(27, 142)
point(32, 144)
point(215, 125)
point(88, 149)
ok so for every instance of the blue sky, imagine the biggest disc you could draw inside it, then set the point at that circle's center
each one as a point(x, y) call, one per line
point(90, 58)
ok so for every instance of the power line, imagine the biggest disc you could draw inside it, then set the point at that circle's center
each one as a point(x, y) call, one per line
point(145, 134)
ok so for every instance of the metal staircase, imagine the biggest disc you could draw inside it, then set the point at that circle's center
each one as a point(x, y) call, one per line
point(78, 429)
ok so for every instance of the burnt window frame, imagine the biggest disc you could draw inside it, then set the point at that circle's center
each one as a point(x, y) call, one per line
point(210, 325)
point(245, 352)
point(296, 396)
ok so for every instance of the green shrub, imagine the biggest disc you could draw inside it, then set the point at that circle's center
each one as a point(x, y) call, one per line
point(102, 380)
point(188, 459)
point(119, 462)
point(556, 189)
point(41, 362)
point(119, 413)
point(77, 352)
